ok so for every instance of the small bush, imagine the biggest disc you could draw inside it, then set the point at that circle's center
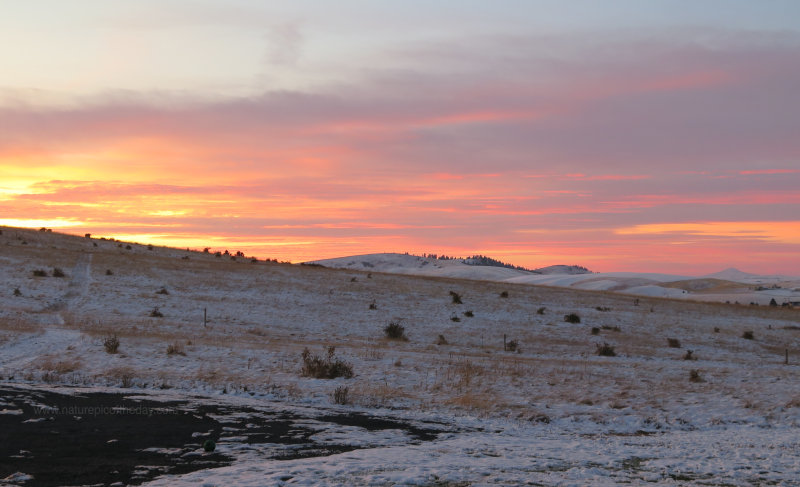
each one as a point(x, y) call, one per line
point(372, 305)
point(163, 290)
point(175, 349)
point(456, 297)
point(605, 350)
point(17, 292)
point(395, 331)
point(441, 340)
point(111, 343)
point(128, 247)
point(748, 335)
point(340, 395)
point(595, 330)
point(689, 355)
point(572, 318)
point(109, 272)
point(39, 273)
point(716, 329)
point(694, 376)
point(512, 346)
point(149, 247)
point(469, 314)
point(673, 343)
point(611, 328)
point(156, 313)
point(504, 294)
point(57, 272)
point(329, 367)
point(541, 310)
point(455, 318)
point(602, 308)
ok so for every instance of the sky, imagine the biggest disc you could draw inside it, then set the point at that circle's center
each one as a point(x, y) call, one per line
point(658, 136)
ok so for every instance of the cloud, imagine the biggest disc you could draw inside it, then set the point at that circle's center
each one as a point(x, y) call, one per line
point(462, 144)
point(284, 44)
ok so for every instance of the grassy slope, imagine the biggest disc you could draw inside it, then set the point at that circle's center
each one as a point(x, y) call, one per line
point(262, 315)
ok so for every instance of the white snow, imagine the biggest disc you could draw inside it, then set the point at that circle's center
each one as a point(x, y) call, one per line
point(555, 413)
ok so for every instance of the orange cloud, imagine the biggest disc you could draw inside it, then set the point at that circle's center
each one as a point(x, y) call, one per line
point(784, 232)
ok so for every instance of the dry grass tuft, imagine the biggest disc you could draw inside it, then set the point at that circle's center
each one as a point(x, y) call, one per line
point(175, 348)
point(111, 343)
point(341, 395)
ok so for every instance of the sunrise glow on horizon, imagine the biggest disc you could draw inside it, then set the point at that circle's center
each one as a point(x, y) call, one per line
point(628, 136)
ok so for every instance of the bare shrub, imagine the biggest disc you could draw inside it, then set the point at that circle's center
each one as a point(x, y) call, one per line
point(689, 355)
point(748, 335)
point(156, 313)
point(111, 343)
point(57, 272)
point(109, 272)
point(455, 318)
point(17, 292)
point(340, 395)
point(605, 350)
point(163, 290)
point(673, 343)
point(123, 374)
point(372, 305)
point(39, 273)
point(441, 340)
point(694, 376)
point(504, 294)
point(456, 297)
point(511, 346)
point(595, 330)
point(611, 328)
point(50, 376)
point(175, 348)
point(541, 310)
point(602, 308)
point(329, 367)
point(572, 318)
point(469, 314)
point(395, 331)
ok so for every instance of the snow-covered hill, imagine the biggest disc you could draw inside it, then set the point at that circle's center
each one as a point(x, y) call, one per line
point(729, 285)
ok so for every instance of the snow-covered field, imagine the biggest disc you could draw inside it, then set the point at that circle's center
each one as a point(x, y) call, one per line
point(553, 412)
point(730, 285)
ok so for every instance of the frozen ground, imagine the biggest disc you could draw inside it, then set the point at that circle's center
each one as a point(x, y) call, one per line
point(551, 413)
